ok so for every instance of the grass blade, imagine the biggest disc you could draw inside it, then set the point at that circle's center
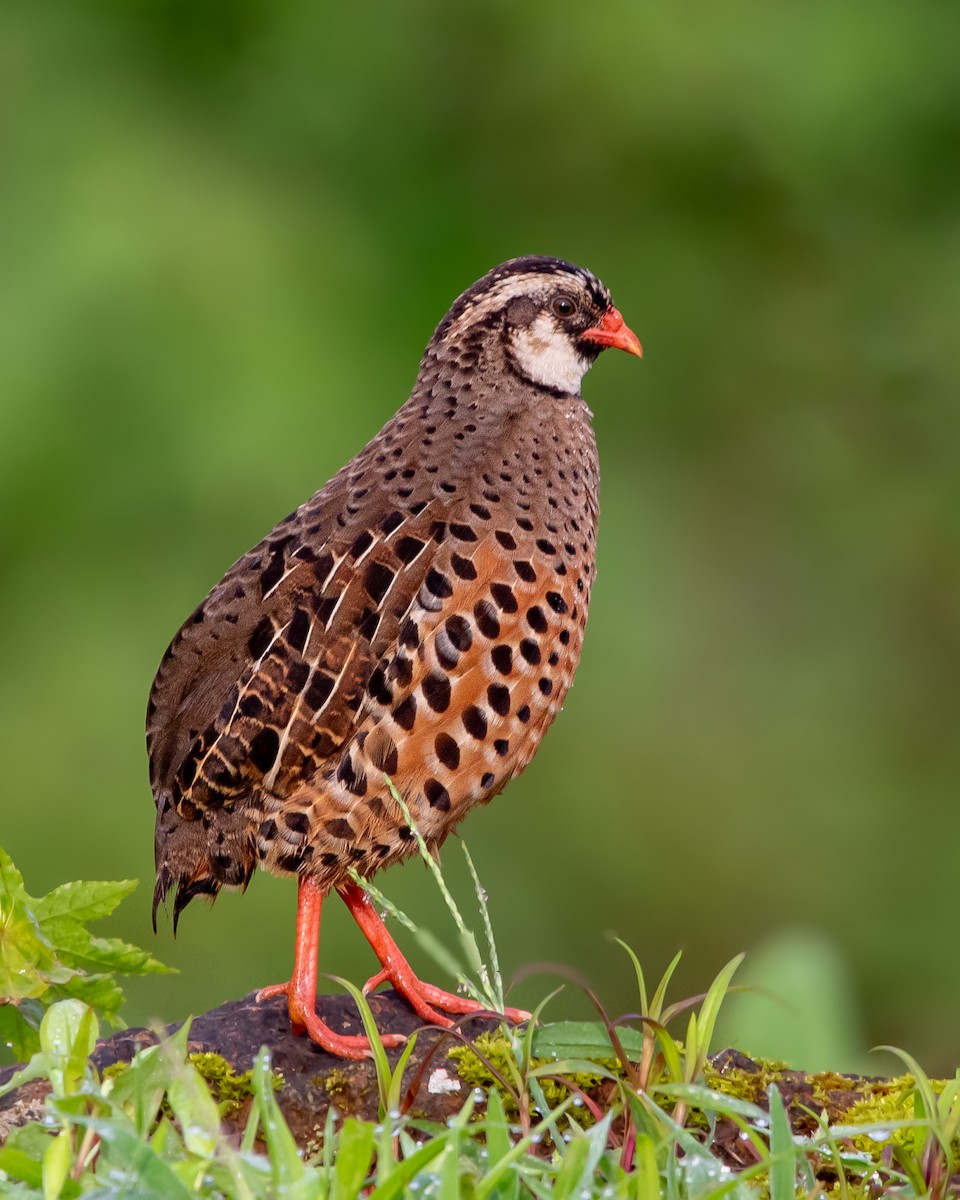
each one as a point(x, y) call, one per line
point(782, 1162)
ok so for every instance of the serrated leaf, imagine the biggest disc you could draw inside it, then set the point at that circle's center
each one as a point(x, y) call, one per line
point(48, 955)
point(78, 949)
point(27, 961)
point(99, 991)
point(11, 881)
point(83, 900)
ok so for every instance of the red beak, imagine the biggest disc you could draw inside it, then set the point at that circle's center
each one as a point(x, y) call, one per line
point(613, 332)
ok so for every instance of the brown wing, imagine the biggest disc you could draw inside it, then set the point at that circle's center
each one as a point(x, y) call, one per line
point(482, 665)
point(264, 681)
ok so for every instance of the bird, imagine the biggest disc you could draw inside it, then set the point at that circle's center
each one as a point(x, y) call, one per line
point(416, 623)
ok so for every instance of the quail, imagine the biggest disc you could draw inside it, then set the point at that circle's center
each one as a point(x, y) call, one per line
point(418, 620)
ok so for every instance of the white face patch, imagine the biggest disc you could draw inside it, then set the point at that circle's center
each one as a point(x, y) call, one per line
point(548, 355)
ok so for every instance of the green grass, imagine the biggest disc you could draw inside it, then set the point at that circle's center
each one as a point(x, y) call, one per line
point(612, 1108)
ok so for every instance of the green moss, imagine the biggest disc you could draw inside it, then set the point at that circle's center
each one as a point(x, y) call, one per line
point(496, 1049)
point(336, 1083)
point(847, 1101)
point(114, 1070)
point(744, 1085)
point(229, 1088)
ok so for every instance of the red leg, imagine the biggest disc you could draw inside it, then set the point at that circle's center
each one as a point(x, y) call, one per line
point(396, 970)
point(301, 991)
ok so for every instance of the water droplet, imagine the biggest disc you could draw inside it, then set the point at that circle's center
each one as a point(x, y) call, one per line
point(578, 1101)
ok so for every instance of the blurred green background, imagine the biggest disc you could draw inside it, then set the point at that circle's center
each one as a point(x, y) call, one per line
point(228, 228)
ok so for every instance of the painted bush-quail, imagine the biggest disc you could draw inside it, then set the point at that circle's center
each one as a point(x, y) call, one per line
point(420, 617)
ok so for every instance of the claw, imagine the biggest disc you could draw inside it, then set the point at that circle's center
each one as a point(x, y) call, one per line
point(303, 1019)
point(427, 1001)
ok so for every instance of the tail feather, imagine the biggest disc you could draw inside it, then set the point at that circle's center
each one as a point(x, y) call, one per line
point(194, 858)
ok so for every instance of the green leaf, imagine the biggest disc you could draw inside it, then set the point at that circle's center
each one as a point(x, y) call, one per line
point(641, 981)
point(783, 1172)
point(20, 1165)
point(31, 1139)
point(709, 1101)
point(646, 1174)
point(101, 992)
point(69, 1029)
point(56, 1165)
point(572, 1169)
point(139, 1089)
point(396, 1079)
point(409, 1169)
point(82, 901)
point(195, 1109)
point(377, 1050)
point(660, 995)
point(36, 1068)
point(449, 1171)
point(68, 1034)
point(11, 881)
point(79, 950)
point(712, 1001)
point(47, 954)
point(133, 1167)
point(284, 1156)
point(489, 1184)
point(353, 1156)
point(497, 1126)
point(582, 1039)
point(27, 961)
point(17, 1032)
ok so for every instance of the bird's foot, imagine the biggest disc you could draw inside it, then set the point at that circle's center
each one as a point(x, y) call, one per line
point(426, 1000)
point(304, 1019)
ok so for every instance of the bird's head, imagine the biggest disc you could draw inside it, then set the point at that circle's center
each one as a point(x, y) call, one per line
point(549, 318)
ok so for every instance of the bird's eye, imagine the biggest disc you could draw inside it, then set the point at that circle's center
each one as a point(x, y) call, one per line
point(563, 306)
